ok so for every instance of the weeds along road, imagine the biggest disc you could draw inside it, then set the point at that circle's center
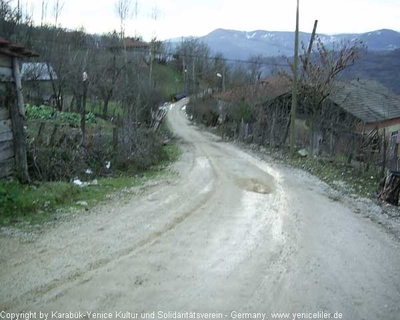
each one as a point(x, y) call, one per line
point(231, 233)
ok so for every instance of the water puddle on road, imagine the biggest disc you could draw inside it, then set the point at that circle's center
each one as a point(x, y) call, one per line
point(255, 185)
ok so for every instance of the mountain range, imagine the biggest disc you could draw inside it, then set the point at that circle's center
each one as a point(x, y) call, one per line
point(382, 61)
point(242, 45)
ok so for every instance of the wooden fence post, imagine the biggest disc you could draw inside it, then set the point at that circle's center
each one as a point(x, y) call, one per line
point(17, 113)
point(115, 137)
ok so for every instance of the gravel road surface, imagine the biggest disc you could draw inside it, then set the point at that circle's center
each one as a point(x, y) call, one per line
point(230, 234)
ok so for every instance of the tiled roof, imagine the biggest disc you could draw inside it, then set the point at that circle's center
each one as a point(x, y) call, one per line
point(15, 50)
point(368, 100)
point(133, 43)
point(136, 44)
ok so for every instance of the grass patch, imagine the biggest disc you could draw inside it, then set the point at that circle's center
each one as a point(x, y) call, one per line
point(173, 152)
point(24, 205)
point(341, 175)
point(96, 107)
point(29, 205)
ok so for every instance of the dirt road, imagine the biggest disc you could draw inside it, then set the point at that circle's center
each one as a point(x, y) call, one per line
point(232, 234)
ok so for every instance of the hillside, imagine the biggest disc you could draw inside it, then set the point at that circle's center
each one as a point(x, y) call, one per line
point(382, 66)
point(235, 44)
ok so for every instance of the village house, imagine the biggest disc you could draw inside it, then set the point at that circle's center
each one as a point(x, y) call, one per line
point(378, 108)
point(351, 112)
point(371, 102)
point(136, 47)
point(264, 90)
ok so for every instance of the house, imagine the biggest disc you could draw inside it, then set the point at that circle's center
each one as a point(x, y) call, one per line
point(137, 45)
point(264, 90)
point(134, 46)
point(37, 79)
point(379, 110)
point(270, 120)
point(12, 137)
point(273, 98)
point(371, 102)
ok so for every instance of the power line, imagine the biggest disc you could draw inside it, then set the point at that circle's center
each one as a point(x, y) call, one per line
point(233, 60)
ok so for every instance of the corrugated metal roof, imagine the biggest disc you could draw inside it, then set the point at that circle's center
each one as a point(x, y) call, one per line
point(368, 100)
point(37, 71)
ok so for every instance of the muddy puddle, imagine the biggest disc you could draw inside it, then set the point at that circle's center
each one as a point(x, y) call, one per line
point(255, 185)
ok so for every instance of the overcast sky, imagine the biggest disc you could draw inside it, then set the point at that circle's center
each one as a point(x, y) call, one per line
point(178, 18)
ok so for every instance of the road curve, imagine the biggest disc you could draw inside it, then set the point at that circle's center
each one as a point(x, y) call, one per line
point(232, 235)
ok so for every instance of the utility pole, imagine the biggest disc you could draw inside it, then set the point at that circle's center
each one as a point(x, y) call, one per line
point(184, 72)
point(294, 92)
point(304, 74)
point(223, 78)
point(194, 76)
point(310, 45)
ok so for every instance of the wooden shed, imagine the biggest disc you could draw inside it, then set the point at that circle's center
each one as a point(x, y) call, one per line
point(12, 136)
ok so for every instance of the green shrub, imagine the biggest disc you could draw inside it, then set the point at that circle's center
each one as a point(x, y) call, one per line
point(50, 113)
point(40, 112)
point(7, 197)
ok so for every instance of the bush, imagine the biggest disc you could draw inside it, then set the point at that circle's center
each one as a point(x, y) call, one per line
point(205, 110)
point(147, 151)
point(40, 112)
point(65, 159)
point(7, 197)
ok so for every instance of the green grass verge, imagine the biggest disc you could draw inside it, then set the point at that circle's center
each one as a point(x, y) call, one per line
point(96, 107)
point(24, 205)
point(340, 175)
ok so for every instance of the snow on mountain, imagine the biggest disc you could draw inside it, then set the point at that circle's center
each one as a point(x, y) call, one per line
point(381, 62)
point(236, 44)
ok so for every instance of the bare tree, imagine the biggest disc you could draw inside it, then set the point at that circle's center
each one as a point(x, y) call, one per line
point(194, 59)
point(16, 23)
point(317, 80)
point(43, 17)
point(124, 12)
point(106, 74)
point(238, 76)
point(57, 9)
point(154, 15)
point(256, 64)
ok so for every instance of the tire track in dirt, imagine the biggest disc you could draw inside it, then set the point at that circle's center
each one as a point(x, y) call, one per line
point(31, 295)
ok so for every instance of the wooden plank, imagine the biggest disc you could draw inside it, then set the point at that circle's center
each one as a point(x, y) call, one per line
point(5, 61)
point(6, 74)
point(6, 144)
point(6, 136)
point(7, 167)
point(5, 126)
point(4, 113)
point(8, 151)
